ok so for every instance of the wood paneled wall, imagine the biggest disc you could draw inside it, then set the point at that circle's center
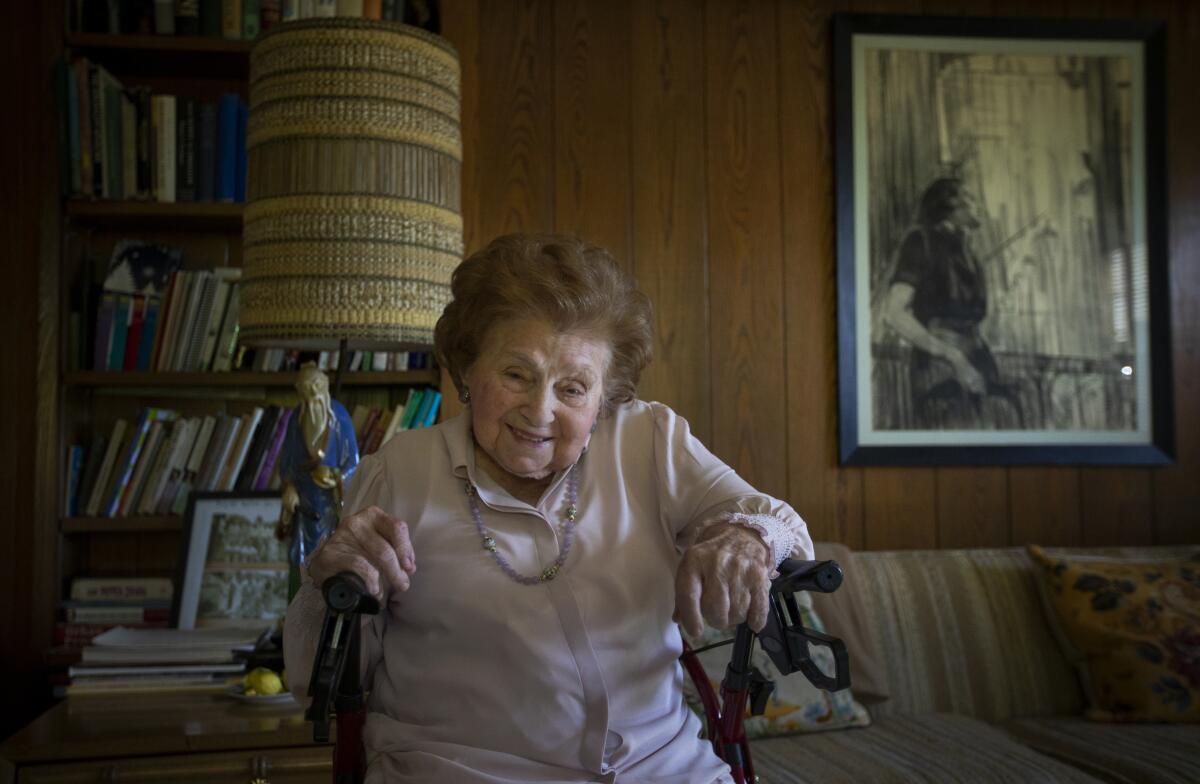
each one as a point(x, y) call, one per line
point(694, 140)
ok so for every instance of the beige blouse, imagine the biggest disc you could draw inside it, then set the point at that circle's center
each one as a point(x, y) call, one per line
point(476, 678)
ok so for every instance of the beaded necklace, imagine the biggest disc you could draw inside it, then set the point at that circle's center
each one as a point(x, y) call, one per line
point(567, 529)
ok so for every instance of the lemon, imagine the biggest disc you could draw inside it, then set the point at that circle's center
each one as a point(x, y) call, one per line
point(262, 681)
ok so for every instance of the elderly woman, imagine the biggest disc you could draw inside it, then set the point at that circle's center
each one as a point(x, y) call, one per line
point(534, 552)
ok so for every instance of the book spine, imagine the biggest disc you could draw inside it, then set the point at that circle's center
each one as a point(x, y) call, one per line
point(117, 614)
point(206, 152)
point(272, 13)
point(129, 459)
point(146, 340)
point(272, 458)
point(74, 469)
point(227, 122)
point(199, 328)
point(239, 177)
point(141, 472)
point(133, 338)
point(185, 148)
point(84, 96)
point(187, 17)
point(231, 19)
point(91, 469)
point(96, 97)
point(251, 19)
point(164, 147)
point(226, 348)
point(128, 146)
point(115, 443)
point(104, 331)
point(431, 417)
point(129, 589)
point(144, 148)
point(120, 331)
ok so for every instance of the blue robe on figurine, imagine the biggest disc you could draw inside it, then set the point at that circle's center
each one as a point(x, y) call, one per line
point(319, 508)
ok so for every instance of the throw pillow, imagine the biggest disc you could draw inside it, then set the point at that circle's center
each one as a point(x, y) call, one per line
point(1132, 628)
point(795, 705)
point(845, 615)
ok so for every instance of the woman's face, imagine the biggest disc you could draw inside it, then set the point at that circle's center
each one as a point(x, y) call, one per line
point(535, 394)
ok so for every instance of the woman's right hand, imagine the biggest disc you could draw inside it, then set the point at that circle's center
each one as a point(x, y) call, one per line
point(372, 544)
point(970, 378)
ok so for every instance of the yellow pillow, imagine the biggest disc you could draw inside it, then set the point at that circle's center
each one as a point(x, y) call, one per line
point(1133, 630)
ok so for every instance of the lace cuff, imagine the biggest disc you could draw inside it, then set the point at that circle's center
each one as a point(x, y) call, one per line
point(778, 535)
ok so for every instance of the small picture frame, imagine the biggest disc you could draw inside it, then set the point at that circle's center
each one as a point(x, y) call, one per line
point(233, 571)
point(1002, 241)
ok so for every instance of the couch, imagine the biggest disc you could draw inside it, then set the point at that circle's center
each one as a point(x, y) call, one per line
point(965, 682)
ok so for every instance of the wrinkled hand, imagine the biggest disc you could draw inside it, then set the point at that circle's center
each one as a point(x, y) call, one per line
point(372, 544)
point(724, 579)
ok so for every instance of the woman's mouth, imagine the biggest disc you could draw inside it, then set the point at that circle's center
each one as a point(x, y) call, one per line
point(528, 438)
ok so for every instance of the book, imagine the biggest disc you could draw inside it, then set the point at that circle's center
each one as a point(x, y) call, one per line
point(394, 423)
point(218, 452)
point(251, 19)
point(91, 469)
point(368, 426)
point(358, 418)
point(133, 336)
point(199, 329)
point(411, 407)
point(141, 469)
point(74, 470)
point(185, 148)
point(143, 143)
point(227, 138)
point(121, 588)
point(375, 437)
point(427, 397)
point(128, 146)
point(84, 112)
point(352, 8)
point(271, 461)
point(117, 615)
point(239, 174)
point(180, 297)
point(258, 448)
point(77, 635)
point(115, 444)
point(187, 17)
point(241, 445)
point(175, 454)
point(210, 18)
point(123, 471)
point(224, 277)
point(231, 19)
point(434, 403)
point(146, 339)
point(226, 349)
point(178, 485)
point(325, 8)
point(200, 291)
point(120, 330)
point(206, 151)
point(83, 670)
point(104, 330)
point(162, 118)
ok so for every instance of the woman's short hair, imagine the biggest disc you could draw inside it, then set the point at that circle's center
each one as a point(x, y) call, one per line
point(939, 200)
point(569, 284)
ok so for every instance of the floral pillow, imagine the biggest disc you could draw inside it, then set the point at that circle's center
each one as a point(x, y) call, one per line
point(1133, 630)
point(795, 705)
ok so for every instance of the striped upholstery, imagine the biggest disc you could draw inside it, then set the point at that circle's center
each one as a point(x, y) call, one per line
point(1126, 753)
point(940, 748)
point(963, 631)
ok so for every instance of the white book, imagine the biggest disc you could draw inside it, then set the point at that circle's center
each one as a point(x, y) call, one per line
point(175, 496)
point(170, 330)
point(100, 489)
point(219, 450)
point(194, 341)
point(324, 7)
point(394, 424)
point(174, 452)
point(128, 148)
point(226, 348)
point(226, 277)
point(237, 455)
point(146, 459)
point(352, 8)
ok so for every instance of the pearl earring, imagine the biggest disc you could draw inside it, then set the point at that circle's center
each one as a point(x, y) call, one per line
point(464, 395)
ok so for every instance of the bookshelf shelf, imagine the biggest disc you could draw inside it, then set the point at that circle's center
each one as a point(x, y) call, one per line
point(166, 55)
point(240, 379)
point(203, 216)
point(124, 525)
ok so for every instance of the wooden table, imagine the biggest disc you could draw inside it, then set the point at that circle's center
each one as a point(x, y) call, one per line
point(176, 738)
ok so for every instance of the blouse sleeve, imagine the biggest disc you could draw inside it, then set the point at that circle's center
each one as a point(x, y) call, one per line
point(697, 490)
point(306, 613)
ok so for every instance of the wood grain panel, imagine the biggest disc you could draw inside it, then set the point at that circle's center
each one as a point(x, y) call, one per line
point(1176, 492)
point(592, 192)
point(829, 498)
point(669, 204)
point(744, 242)
point(900, 504)
point(516, 116)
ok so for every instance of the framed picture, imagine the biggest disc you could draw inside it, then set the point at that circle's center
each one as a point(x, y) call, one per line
point(233, 571)
point(1002, 255)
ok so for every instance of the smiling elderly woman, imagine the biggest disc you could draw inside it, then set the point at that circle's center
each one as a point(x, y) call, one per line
point(534, 551)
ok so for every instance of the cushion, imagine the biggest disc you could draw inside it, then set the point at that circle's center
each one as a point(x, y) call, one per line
point(962, 631)
point(1126, 753)
point(933, 747)
point(846, 618)
point(1132, 627)
point(795, 705)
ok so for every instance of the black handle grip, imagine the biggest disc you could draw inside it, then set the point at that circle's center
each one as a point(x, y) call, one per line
point(346, 592)
point(796, 575)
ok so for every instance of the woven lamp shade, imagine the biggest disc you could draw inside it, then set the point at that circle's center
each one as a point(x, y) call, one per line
point(353, 222)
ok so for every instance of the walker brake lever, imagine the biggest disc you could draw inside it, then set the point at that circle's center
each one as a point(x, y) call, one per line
point(346, 598)
point(786, 640)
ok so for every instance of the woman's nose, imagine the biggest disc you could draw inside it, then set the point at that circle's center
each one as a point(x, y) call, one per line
point(539, 410)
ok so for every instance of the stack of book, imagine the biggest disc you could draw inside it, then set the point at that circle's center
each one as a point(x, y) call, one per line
point(373, 427)
point(126, 143)
point(137, 661)
point(228, 19)
point(192, 327)
point(149, 467)
point(97, 604)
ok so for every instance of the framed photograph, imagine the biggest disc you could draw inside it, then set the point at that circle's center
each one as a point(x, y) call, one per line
point(1002, 254)
point(233, 571)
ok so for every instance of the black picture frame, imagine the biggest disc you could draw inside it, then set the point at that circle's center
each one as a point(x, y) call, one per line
point(955, 139)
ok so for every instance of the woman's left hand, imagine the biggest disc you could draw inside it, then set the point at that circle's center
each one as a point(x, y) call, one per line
point(723, 580)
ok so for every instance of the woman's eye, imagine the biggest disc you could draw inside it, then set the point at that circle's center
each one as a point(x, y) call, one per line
point(574, 391)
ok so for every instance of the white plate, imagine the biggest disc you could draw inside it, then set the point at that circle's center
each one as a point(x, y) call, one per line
point(238, 692)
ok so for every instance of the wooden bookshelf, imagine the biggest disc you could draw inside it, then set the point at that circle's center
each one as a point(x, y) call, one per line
point(197, 216)
point(124, 525)
point(240, 378)
point(166, 55)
